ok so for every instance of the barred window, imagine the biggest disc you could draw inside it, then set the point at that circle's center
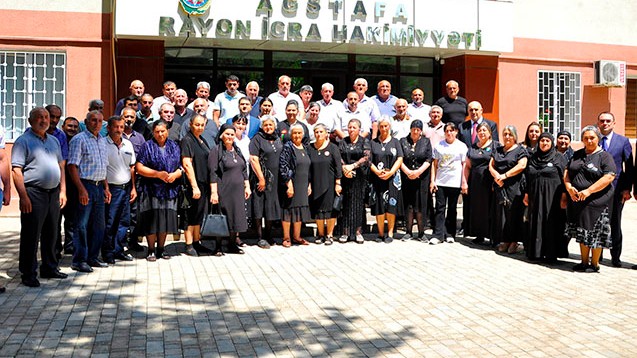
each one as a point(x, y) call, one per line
point(560, 101)
point(27, 80)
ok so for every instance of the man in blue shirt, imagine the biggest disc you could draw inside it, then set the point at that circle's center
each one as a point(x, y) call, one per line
point(87, 166)
point(38, 174)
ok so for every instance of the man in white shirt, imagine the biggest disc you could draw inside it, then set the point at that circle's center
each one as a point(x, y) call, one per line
point(168, 91)
point(227, 102)
point(353, 111)
point(331, 109)
point(281, 98)
point(417, 109)
point(401, 122)
point(203, 91)
point(366, 104)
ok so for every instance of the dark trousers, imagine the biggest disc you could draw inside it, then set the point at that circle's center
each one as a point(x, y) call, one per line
point(446, 197)
point(616, 226)
point(90, 225)
point(117, 221)
point(39, 226)
point(69, 213)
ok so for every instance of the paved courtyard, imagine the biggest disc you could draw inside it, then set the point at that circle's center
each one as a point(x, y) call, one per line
point(400, 299)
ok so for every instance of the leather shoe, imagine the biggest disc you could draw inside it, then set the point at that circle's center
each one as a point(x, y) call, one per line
point(124, 257)
point(97, 263)
point(135, 246)
point(53, 274)
point(82, 267)
point(110, 261)
point(616, 263)
point(31, 282)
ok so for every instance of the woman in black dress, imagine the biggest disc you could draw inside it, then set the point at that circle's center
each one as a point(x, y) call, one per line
point(415, 178)
point(284, 128)
point(294, 186)
point(229, 182)
point(563, 145)
point(355, 152)
point(194, 159)
point(159, 165)
point(386, 159)
point(326, 173)
point(545, 189)
point(588, 180)
point(480, 192)
point(506, 167)
point(532, 137)
point(265, 149)
point(265, 108)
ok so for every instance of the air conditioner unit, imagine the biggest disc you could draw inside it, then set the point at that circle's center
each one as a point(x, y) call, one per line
point(610, 73)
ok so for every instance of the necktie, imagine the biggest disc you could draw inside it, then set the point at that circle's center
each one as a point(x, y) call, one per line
point(604, 143)
point(474, 133)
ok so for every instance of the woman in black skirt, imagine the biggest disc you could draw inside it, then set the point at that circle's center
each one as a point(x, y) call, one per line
point(355, 152)
point(326, 173)
point(229, 186)
point(294, 185)
point(415, 177)
point(265, 149)
point(194, 159)
point(386, 159)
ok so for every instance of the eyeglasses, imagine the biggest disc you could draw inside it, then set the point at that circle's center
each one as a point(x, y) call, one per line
point(605, 120)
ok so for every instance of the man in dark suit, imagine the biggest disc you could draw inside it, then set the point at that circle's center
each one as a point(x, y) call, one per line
point(468, 128)
point(253, 123)
point(619, 147)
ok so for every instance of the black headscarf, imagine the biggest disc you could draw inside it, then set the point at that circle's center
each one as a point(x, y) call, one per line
point(541, 159)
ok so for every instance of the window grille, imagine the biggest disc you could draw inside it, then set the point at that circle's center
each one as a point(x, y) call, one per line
point(27, 80)
point(560, 101)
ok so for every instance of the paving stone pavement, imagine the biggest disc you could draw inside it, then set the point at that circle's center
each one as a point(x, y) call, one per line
point(404, 299)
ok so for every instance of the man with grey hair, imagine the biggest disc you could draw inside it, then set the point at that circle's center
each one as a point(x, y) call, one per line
point(136, 89)
point(331, 109)
point(203, 91)
point(366, 105)
point(38, 174)
point(182, 113)
point(252, 92)
point(167, 113)
point(417, 108)
point(385, 101)
point(95, 105)
point(210, 130)
point(281, 98)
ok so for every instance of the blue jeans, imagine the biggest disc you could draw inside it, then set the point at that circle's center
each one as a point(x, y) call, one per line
point(89, 233)
point(117, 221)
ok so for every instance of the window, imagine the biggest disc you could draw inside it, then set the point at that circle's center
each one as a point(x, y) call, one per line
point(27, 80)
point(560, 101)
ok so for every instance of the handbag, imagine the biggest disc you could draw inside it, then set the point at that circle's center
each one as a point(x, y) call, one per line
point(215, 225)
point(338, 203)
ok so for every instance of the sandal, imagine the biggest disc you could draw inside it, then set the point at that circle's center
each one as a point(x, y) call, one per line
point(301, 242)
point(513, 248)
point(503, 247)
point(286, 243)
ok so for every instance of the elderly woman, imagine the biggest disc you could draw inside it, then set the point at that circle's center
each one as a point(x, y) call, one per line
point(265, 149)
point(355, 152)
point(158, 165)
point(386, 159)
point(506, 167)
point(587, 180)
point(563, 144)
point(294, 185)
point(242, 141)
point(326, 173)
point(284, 128)
point(229, 180)
point(265, 108)
point(479, 199)
point(532, 137)
point(544, 174)
point(415, 179)
point(194, 159)
point(447, 180)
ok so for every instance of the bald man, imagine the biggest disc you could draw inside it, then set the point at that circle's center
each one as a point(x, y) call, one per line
point(454, 106)
point(136, 89)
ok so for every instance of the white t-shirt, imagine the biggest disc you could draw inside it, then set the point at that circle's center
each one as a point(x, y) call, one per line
point(227, 105)
point(421, 112)
point(401, 129)
point(450, 159)
point(279, 103)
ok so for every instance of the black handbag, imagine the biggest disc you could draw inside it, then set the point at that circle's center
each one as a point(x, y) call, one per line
point(215, 225)
point(338, 203)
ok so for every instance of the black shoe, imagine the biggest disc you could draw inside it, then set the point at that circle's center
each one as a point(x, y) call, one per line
point(190, 251)
point(164, 255)
point(97, 263)
point(478, 241)
point(388, 239)
point(263, 244)
point(580, 267)
point(54, 274)
point(236, 250)
point(82, 267)
point(319, 240)
point(240, 243)
point(135, 246)
point(200, 248)
point(3, 289)
point(124, 257)
point(31, 282)
point(616, 263)
point(592, 268)
point(110, 261)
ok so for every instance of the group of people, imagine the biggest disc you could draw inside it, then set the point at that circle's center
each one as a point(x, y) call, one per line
point(160, 165)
